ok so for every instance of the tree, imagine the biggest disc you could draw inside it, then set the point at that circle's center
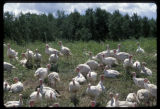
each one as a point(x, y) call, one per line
point(115, 29)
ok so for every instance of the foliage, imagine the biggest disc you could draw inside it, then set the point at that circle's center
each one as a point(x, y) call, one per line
point(97, 25)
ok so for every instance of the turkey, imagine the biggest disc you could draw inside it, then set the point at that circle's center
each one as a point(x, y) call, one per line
point(138, 81)
point(15, 103)
point(24, 60)
point(139, 49)
point(50, 96)
point(49, 50)
point(53, 58)
point(79, 78)
point(132, 97)
point(8, 67)
point(36, 96)
point(121, 56)
point(93, 92)
point(109, 60)
point(44, 88)
point(118, 49)
point(84, 69)
point(112, 51)
point(12, 54)
point(137, 66)
point(123, 103)
point(17, 86)
point(111, 103)
point(110, 73)
point(6, 86)
point(100, 85)
point(37, 58)
point(31, 103)
point(108, 52)
point(150, 87)
point(128, 63)
point(94, 65)
point(143, 96)
point(64, 50)
point(29, 55)
point(42, 72)
point(53, 78)
point(92, 76)
point(74, 87)
point(145, 70)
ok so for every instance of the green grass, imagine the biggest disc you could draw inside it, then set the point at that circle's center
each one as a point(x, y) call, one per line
point(122, 85)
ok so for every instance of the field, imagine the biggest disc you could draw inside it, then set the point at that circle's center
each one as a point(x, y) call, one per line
point(122, 85)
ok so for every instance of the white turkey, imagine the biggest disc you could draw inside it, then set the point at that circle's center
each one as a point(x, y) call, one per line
point(36, 96)
point(100, 85)
point(93, 92)
point(8, 67)
point(15, 103)
point(108, 52)
point(109, 60)
point(150, 87)
point(128, 63)
point(65, 50)
point(121, 56)
point(118, 49)
point(49, 50)
point(132, 97)
point(12, 54)
point(84, 69)
point(138, 81)
point(37, 57)
point(31, 103)
point(144, 96)
point(53, 78)
point(137, 66)
point(53, 58)
point(24, 60)
point(44, 88)
point(124, 103)
point(92, 76)
point(74, 87)
point(94, 65)
point(17, 86)
point(50, 96)
point(42, 72)
point(6, 86)
point(145, 70)
point(139, 49)
point(79, 78)
point(29, 55)
point(111, 103)
point(110, 73)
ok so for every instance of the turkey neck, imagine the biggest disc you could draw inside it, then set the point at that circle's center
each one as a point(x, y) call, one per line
point(20, 101)
point(112, 101)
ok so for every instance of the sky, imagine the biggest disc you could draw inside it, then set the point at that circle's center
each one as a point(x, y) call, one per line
point(142, 9)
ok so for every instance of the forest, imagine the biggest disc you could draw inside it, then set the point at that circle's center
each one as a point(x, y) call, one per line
point(97, 25)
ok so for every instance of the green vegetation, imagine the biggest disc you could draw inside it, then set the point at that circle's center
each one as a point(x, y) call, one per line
point(98, 25)
point(122, 85)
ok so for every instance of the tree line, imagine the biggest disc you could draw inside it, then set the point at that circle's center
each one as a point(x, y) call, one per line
point(97, 25)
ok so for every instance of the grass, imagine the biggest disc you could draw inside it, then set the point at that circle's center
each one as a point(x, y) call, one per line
point(122, 85)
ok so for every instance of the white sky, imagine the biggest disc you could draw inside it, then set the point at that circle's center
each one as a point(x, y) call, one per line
point(143, 9)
